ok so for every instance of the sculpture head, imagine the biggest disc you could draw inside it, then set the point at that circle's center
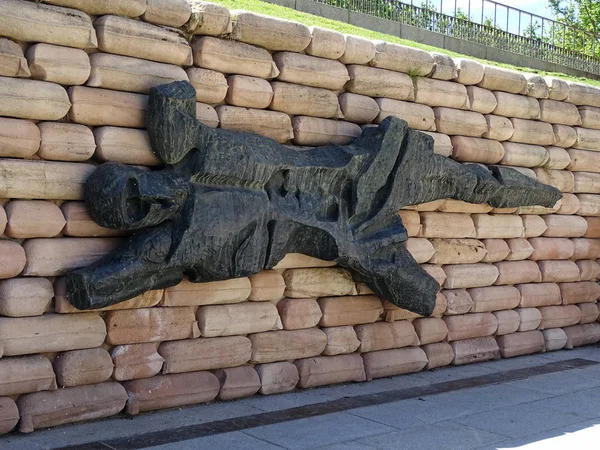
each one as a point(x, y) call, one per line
point(129, 198)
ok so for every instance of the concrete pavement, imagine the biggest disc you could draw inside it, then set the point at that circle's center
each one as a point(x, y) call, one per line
point(549, 400)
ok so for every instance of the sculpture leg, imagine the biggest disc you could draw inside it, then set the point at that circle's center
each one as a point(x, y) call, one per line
point(393, 274)
point(134, 268)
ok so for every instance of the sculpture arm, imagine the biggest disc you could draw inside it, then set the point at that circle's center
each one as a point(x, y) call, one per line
point(171, 122)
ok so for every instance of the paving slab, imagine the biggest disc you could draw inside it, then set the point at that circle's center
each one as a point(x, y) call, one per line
point(582, 436)
point(520, 420)
point(447, 435)
point(318, 432)
point(452, 405)
point(558, 383)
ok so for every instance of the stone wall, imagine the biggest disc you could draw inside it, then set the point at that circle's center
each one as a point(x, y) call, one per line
point(73, 82)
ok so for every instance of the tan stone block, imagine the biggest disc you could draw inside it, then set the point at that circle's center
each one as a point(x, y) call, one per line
point(69, 405)
point(134, 326)
point(26, 374)
point(287, 345)
point(340, 340)
point(136, 361)
point(50, 333)
point(212, 293)
point(191, 355)
point(387, 363)
point(81, 367)
point(324, 370)
point(23, 297)
point(276, 378)
point(170, 391)
point(475, 350)
point(349, 310)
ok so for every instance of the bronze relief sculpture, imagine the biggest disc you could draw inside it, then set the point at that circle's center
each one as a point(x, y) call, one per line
point(229, 204)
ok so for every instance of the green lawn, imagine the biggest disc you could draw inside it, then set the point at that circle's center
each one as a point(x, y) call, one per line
point(309, 19)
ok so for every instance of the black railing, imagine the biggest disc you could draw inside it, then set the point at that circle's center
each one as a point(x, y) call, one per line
point(492, 24)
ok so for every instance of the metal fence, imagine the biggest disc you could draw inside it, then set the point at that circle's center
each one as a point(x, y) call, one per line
point(492, 24)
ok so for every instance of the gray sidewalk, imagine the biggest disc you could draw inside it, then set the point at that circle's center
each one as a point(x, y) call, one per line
point(560, 409)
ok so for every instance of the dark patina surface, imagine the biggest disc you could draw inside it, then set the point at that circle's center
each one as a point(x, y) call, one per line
point(229, 204)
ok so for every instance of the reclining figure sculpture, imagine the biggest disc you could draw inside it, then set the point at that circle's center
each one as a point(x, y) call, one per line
point(229, 204)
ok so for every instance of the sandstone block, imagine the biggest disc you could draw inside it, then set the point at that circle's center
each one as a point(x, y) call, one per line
point(186, 293)
point(50, 333)
point(172, 13)
point(24, 219)
point(23, 297)
point(461, 276)
point(271, 124)
point(311, 71)
point(458, 301)
point(18, 138)
point(37, 100)
point(73, 404)
point(323, 370)
point(97, 107)
point(340, 340)
point(458, 122)
point(299, 313)
point(578, 335)
point(555, 271)
point(82, 367)
point(579, 292)
point(349, 310)
point(287, 345)
point(475, 350)
point(494, 298)
point(134, 326)
point(26, 374)
point(62, 65)
point(551, 248)
point(122, 36)
point(12, 60)
point(559, 316)
point(66, 142)
point(384, 336)
point(51, 257)
point(539, 294)
point(9, 415)
point(170, 391)
point(457, 251)
point(136, 361)
point(523, 343)
point(237, 382)
point(37, 22)
point(469, 71)
point(398, 361)
point(554, 339)
point(308, 283)
point(401, 58)
point(374, 82)
point(272, 33)
point(508, 321)
point(295, 99)
point(240, 318)
point(326, 43)
point(418, 117)
point(517, 272)
point(276, 378)
point(123, 73)
point(359, 50)
point(430, 330)
point(439, 354)
point(470, 326)
point(267, 285)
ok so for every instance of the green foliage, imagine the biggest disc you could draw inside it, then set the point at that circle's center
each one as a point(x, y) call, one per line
point(584, 17)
